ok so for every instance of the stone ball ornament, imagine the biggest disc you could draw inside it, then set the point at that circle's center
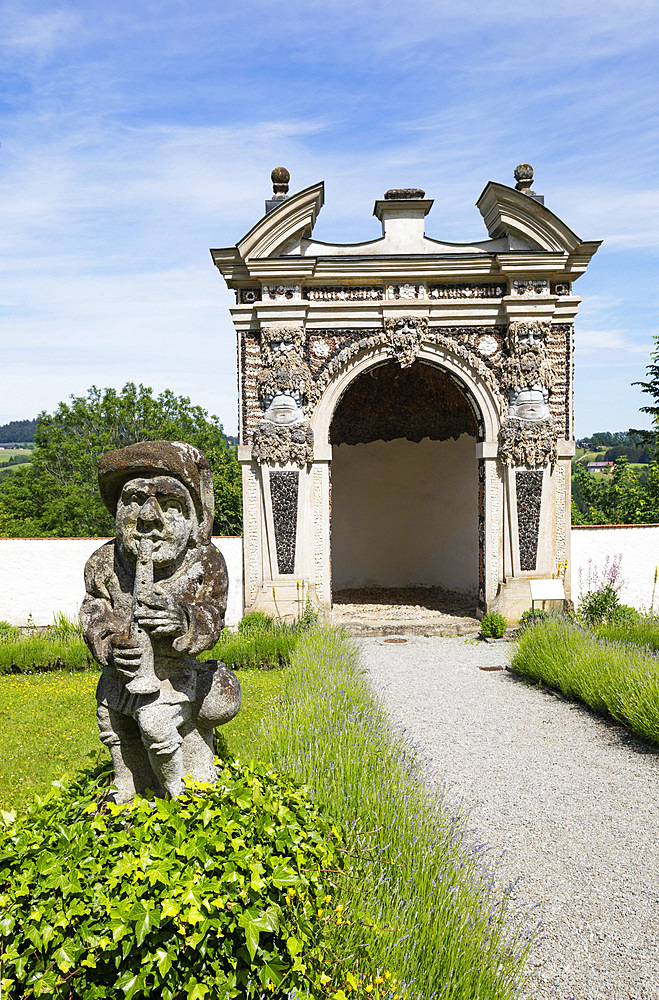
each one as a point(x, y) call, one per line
point(524, 177)
point(156, 598)
point(280, 178)
point(488, 345)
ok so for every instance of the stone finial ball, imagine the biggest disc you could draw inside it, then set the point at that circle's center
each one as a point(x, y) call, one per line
point(523, 172)
point(280, 175)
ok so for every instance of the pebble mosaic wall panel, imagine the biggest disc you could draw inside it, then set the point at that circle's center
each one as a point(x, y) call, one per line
point(283, 495)
point(529, 495)
point(390, 402)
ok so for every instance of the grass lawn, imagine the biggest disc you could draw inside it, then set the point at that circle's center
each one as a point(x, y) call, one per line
point(48, 727)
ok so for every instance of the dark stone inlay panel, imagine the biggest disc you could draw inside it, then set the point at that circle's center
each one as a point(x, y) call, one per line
point(390, 402)
point(481, 535)
point(569, 378)
point(283, 495)
point(529, 495)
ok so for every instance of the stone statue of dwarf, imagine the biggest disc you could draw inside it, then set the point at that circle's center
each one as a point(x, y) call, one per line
point(156, 596)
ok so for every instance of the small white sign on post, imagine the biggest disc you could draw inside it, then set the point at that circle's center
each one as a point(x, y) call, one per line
point(546, 590)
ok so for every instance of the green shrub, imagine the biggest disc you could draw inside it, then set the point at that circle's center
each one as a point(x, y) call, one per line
point(493, 625)
point(7, 630)
point(637, 630)
point(65, 628)
point(261, 642)
point(180, 899)
point(256, 621)
point(623, 614)
point(41, 651)
point(532, 617)
point(309, 617)
point(253, 650)
point(598, 605)
point(614, 678)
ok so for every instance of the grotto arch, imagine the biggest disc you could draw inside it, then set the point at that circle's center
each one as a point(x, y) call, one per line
point(404, 481)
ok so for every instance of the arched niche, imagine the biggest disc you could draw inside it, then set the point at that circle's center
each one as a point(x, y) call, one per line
point(405, 488)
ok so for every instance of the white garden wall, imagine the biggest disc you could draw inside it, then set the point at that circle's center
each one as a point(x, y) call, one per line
point(43, 576)
point(637, 543)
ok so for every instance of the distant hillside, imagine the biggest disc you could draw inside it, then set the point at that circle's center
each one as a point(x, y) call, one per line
point(607, 446)
point(24, 430)
point(17, 430)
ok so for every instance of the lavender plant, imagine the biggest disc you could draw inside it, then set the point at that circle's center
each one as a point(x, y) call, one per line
point(617, 679)
point(416, 901)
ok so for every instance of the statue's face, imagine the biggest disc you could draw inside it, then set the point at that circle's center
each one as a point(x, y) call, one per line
point(530, 403)
point(529, 338)
point(281, 346)
point(159, 508)
point(284, 409)
point(405, 327)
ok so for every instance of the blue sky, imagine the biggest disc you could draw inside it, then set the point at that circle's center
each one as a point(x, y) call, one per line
point(134, 136)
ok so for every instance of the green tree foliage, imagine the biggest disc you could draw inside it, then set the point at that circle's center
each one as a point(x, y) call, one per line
point(633, 453)
point(57, 495)
point(18, 430)
point(651, 387)
point(624, 497)
point(615, 444)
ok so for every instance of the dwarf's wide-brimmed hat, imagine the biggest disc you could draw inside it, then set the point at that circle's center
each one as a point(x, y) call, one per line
point(167, 458)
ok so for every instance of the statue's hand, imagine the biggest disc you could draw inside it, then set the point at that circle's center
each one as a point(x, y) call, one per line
point(126, 653)
point(160, 619)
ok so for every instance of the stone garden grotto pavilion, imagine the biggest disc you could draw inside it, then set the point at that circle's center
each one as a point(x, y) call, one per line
point(406, 402)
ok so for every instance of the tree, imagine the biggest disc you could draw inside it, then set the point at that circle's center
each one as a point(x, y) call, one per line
point(624, 497)
point(57, 495)
point(18, 430)
point(651, 387)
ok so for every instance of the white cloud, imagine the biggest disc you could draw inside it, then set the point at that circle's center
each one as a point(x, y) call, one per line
point(136, 136)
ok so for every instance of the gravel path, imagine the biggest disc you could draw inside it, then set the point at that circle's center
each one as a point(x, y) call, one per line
point(571, 800)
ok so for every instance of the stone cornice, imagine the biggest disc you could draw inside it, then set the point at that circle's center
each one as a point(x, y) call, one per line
point(290, 221)
point(440, 312)
point(507, 212)
point(369, 270)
